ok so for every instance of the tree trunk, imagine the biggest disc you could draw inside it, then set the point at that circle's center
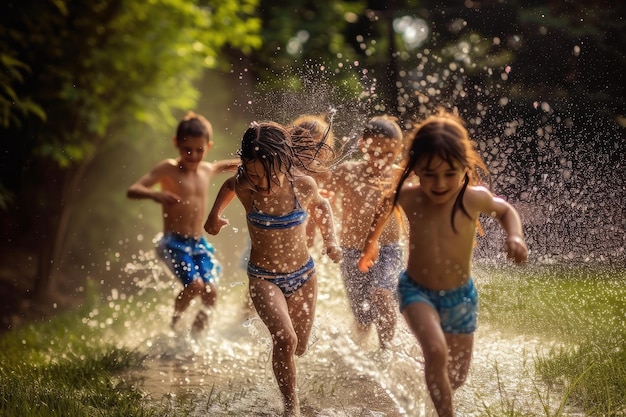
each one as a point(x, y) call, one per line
point(62, 186)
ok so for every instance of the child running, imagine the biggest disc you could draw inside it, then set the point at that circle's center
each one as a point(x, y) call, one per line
point(361, 185)
point(282, 281)
point(437, 294)
point(183, 192)
point(314, 132)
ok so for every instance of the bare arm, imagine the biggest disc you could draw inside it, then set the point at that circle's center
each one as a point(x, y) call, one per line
point(381, 217)
point(142, 188)
point(514, 245)
point(226, 165)
point(509, 219)
point(323, 217)
point(215, 222)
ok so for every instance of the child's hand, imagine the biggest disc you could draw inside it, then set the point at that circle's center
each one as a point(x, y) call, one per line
point(335, 253)
point(213, 225)
point(368, 257)
point(166, 197)
point(516, 249)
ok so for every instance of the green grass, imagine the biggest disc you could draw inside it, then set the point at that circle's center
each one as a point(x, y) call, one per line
point(584, 308)
point(64, 367)
point(69, 365)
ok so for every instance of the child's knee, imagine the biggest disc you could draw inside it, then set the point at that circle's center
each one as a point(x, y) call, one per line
point(208, 294)
point(287, 342)
point(435, 355)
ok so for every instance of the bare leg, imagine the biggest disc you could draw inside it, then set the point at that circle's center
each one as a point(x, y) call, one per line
point(302, 307)
point(208, 295)
point(424, 323)
point(272, 308)
point(184, 299)
point(460, 348)
point(386, 318)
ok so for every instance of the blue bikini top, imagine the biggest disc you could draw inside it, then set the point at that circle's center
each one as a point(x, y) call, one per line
point(267, 221)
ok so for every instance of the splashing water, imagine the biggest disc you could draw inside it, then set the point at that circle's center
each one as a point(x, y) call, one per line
point(561, 166)
point(227, 370)
point(559, 163)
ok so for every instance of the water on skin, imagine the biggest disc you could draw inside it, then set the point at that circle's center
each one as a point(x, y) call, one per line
point(560, 170)
point(227, 371)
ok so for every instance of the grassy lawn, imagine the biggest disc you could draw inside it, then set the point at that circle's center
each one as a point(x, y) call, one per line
point(583, 307)
point(68, 366)
point(65, 367)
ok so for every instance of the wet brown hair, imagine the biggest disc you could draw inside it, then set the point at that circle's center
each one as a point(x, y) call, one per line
point(270, 143)
point(194, 125)
point(444, 135)
point(313, 142)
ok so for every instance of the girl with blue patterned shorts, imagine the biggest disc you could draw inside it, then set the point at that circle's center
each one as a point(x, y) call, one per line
point(439, 192)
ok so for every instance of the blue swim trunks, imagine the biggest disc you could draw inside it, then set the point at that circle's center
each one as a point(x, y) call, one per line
point(457, 308)
point(361, 285)
point(189, 258)
point(289, 282)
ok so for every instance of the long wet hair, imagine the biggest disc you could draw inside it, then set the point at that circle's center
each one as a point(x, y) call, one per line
point(445, 136)
point(270, 143)
point(313, 142)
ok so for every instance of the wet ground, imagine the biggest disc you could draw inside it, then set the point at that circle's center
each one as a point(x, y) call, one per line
point(227, 370)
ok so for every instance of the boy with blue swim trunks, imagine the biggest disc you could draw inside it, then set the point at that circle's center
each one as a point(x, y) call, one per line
point(359, 186)
point(440, 194)
point(183, 192)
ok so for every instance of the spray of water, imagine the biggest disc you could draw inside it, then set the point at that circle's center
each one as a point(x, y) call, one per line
point(561, 166)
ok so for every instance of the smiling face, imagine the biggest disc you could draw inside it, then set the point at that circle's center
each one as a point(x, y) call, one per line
point(192, 149)
point(438, 179)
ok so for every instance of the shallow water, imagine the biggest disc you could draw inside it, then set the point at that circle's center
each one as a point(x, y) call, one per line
point(227, 370)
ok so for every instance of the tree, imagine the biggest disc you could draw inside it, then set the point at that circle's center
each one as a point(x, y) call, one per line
point(82, 73)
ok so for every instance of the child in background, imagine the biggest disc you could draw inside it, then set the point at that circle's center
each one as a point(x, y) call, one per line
point(314, 132)
point(437, 294)
point(361, 185)
point(276, 197)
point(182, 193)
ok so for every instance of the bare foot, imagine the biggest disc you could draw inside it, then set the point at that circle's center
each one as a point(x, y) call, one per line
point(200, 322)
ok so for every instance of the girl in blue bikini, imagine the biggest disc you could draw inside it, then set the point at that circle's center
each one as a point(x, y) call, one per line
point(276, 196)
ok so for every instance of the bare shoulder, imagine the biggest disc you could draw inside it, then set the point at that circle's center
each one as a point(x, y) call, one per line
point(481, 199)
point(305, 184)
point(347, 172)
point(306, 190)
point(410, 195)
point(166, 166)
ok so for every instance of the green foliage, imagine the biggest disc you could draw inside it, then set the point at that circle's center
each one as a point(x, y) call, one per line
point(86, 74)
point(12, 106)
point(96, 66)
point(302, 34)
